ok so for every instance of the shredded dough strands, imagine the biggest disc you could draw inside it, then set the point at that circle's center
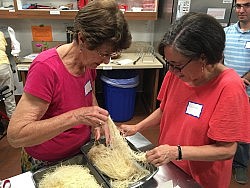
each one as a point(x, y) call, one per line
point(118, 161)
point(70, 176)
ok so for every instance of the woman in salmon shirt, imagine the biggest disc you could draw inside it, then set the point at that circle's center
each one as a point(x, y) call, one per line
point(204, 107)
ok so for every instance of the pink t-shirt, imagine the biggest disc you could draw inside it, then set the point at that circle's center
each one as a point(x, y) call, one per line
point(196, 116)
point(49, 80)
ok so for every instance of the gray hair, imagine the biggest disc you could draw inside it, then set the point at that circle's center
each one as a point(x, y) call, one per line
point(195, 34)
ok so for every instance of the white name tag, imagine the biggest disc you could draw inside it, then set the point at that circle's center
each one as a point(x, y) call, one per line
point(194, 109)
point(87, 88)
point(247, 45)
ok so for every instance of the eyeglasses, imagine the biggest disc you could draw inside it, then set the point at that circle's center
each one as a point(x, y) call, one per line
point(177, 68)
point(244, 6)
point(103, 55)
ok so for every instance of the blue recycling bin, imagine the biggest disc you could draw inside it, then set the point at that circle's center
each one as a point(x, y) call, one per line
point(119, 96)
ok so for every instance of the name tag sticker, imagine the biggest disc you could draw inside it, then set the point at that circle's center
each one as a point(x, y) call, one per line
point(247, 45)
point(194, 109)
point(87, 88)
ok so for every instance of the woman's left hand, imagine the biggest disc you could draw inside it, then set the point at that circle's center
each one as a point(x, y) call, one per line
point(162, 154)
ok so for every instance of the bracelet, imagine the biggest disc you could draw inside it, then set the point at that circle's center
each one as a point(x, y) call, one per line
point(179, 153)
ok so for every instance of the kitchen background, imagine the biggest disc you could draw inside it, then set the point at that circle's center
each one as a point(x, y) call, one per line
point(149, 31)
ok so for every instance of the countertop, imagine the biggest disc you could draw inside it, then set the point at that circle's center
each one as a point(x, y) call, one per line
point(124, 62)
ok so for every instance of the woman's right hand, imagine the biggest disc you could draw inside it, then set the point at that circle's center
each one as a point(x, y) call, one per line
point(128, 130)
point(93, 116)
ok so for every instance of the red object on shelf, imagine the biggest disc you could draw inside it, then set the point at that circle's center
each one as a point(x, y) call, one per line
point(148, 5)
point(123, 7)
point(81, 3)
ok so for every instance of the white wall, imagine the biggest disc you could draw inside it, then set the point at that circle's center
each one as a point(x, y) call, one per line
point(141, 30)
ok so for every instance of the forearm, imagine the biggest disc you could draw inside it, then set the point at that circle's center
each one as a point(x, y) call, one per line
point(163, 154)
point(30, 133)
point(151, 121)
point(26, 127)
point(209, 152)
point(247, 76)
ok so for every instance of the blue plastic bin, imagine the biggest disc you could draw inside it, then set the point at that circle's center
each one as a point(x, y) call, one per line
point(119, 97)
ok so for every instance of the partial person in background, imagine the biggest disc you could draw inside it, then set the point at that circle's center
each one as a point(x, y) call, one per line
point(58, 110)
point(204, 108)
point(237, 56)
point(6, 79)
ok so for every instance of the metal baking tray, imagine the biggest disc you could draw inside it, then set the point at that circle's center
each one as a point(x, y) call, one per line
point(153, 170)
point(79, 159)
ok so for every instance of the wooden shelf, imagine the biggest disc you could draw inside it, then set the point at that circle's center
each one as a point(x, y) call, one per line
point(10, 14)
point(141, 15)
point(64, 14)
point(47, 14)
point(70, 15)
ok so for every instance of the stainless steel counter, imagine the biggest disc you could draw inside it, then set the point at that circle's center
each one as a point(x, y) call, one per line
point(171, 172)
point(166, 172)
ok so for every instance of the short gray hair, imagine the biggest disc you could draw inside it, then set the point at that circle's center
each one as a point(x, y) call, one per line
point(195, 34)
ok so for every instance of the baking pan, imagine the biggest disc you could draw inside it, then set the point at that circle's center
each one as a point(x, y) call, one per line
point(153, 170)
point(76, 160)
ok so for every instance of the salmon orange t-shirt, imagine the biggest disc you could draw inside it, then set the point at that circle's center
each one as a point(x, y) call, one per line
point(202, 115)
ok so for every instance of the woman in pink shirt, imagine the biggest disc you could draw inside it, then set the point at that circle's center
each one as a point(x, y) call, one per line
point(58, 109)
